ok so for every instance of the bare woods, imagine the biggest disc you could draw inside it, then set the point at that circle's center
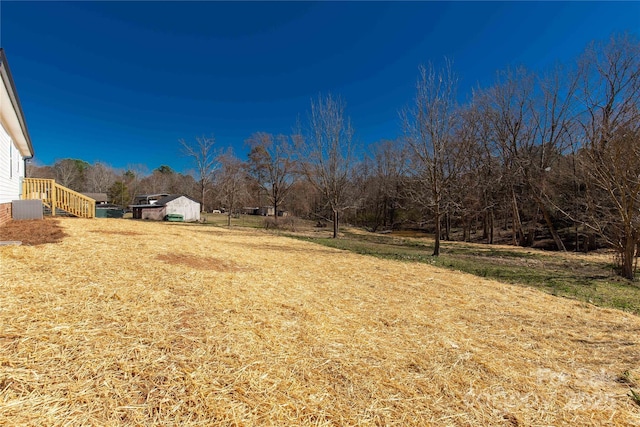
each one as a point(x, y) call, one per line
point(535, 159)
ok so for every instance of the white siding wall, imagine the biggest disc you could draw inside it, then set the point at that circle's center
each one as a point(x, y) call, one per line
point(184, 206)
point(11, 168)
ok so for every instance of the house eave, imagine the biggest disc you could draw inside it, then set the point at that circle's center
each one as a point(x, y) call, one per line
point(11, 114)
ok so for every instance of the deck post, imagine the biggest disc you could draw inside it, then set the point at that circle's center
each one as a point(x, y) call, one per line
point(54, 202)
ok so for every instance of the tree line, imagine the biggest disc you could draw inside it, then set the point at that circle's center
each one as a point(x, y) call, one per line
point(549, 159)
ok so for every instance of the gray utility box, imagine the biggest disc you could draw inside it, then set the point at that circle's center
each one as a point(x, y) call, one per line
point(26, 209)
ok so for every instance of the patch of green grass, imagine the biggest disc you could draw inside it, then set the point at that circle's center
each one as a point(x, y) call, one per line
point(592, 282)
point(221, 220)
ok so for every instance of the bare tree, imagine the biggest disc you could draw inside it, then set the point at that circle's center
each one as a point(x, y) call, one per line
point(71, 173)
point(553, 112)
point(161, 180)
point(231, 180)
point(613, 193)
point(326, 153)
point(390, 162)
point(271, 165)
point(611, 154)
point(428, 127)
point(468, 175)
point(66, 172)
point(100, 177)
point(35, 170)
point(303, 199)
point(507, 107)
point(205, 158)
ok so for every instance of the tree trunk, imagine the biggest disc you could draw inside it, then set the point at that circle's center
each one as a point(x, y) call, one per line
point(530, 236)
point(473, 225)
point(275, 213)
point(335, 224)
point(447, 226)
point(514, 232)
point(202, 185)
point(628, 252)
point(466, 230)
point(485, 226)
point(392, 216)
point(384, 213)
point(518, 235)
point(491, 218)
point(591, 243)
point(552, 229)
point(436, 246)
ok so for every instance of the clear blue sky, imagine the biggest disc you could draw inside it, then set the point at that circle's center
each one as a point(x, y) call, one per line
point(121, 82)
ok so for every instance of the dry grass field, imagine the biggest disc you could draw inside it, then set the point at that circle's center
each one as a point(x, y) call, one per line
point(142, 323)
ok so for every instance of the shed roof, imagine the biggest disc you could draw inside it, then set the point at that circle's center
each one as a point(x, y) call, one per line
point(98, 197)
point(165, 200)
point(141, 196)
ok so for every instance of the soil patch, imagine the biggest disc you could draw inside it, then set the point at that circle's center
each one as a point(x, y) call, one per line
point(120, 233)
point(33, 232)
point(199, 262)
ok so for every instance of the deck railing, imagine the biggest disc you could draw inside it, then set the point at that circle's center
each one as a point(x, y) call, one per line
point(56, 196)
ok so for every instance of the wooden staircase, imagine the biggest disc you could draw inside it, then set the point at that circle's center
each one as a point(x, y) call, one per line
point(58, 198)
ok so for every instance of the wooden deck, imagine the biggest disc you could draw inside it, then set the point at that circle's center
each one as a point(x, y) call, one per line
point(56, 196)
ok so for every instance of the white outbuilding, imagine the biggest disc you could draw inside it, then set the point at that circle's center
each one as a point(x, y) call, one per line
point(168, 207)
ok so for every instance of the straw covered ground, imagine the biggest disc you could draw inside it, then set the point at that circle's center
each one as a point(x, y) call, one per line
point(143, 323)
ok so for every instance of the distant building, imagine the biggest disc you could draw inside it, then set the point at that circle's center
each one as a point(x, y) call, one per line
point(249, 210)
point(109, 210)
point(168, 206)
point(269, 210)
point(263, 211)
point(100, 198)
point(148, 199)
